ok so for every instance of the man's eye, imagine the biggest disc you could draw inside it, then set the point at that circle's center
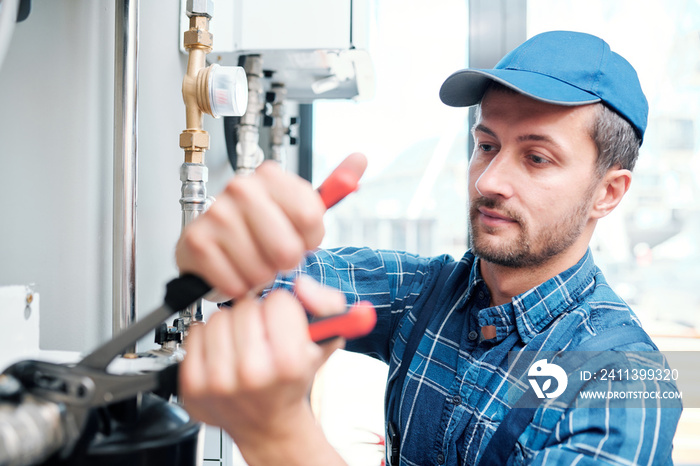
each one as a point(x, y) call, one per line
point(536, 159)
point(486, 147)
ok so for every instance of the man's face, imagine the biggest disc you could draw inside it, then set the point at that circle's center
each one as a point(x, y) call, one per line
point(531, 180)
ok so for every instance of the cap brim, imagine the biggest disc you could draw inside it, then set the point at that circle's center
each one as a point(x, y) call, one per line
point(466, 87)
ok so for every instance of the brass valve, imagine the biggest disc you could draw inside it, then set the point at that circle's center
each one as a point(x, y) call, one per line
point(215, 90)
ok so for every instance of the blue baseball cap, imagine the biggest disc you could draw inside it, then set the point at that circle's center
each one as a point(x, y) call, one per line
point(559, 67)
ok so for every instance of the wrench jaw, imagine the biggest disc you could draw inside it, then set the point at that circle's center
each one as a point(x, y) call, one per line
point(50, 389)
point(78, 392)
point(74, 394)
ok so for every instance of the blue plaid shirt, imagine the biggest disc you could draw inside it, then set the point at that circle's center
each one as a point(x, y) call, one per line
point(453, 398)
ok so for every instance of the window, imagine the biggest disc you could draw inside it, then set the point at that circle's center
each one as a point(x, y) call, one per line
point(409, 136)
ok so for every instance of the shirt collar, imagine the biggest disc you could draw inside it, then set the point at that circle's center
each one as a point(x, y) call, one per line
point(532, 311)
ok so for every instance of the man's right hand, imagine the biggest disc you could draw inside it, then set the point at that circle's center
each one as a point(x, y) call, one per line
point(258, 226)
point(249, 370)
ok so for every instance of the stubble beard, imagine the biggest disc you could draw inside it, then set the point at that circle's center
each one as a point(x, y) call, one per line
point(527, 249)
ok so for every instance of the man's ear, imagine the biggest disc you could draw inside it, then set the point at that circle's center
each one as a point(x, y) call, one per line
point(610, 191)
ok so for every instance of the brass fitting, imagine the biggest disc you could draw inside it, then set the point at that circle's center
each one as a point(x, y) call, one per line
point(194, 156)
point(195, 143)
point(194, 140)
point(198, 34)
point(198, 42)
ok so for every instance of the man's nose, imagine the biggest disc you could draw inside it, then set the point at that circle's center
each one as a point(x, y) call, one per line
point(496, 180)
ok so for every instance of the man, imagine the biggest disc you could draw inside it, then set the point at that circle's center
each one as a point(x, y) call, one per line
point(558, 128)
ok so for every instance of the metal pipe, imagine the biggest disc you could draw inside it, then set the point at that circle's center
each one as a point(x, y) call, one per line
point(194, 201)
point(31, 431)
point(279, 130)
point(125, 164)
point(248, 152)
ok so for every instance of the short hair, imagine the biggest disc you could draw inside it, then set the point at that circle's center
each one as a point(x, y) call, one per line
point(615, 138)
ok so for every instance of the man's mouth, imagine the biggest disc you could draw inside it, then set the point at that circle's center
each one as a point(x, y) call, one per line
point(493, 218)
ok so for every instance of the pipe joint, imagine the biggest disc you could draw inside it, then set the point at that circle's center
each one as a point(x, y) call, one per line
point(198, 35)
point(194, 172)
point(200, 8)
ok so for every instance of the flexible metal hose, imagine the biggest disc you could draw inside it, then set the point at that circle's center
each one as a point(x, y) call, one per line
point(30, 431)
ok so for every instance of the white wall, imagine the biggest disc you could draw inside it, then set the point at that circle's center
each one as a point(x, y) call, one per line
point(56, 118)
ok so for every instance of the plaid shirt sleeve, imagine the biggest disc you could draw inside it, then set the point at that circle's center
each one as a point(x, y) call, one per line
point(639, 433)
point(615, 436)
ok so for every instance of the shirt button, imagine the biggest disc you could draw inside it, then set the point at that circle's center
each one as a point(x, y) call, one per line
point(440, 458)
point(473, 335)
point(456, 400)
